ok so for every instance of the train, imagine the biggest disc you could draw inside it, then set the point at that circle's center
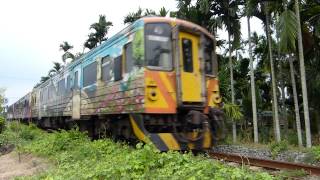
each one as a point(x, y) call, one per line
point(154, 81)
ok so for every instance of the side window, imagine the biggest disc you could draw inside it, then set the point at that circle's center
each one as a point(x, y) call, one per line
point(76, 80)
point(208, 56)
point(51, 91)
point(45, 94)
point(117, 69)
point(90, 74)
point(61, 87)
point(68, 88)
point(128, 57)
point(187, 55)
point(106, 68)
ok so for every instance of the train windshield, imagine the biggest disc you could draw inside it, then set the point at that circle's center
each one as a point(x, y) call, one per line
point(209, 58)
point(158, 46)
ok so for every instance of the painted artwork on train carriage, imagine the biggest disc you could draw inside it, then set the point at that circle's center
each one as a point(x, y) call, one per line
point(155, 79)
point(126, 95)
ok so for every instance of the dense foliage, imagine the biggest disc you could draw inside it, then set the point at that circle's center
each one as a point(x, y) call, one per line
point(316, 151)
point(2, 124)
point(76, 157)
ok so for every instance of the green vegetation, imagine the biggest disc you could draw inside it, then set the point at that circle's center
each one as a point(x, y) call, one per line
point(76, 157)
point(2, 124)
point(316, 152)
point(292, 173)
point(278, 147)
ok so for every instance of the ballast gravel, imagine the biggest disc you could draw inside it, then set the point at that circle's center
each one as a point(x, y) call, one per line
point(288, 156)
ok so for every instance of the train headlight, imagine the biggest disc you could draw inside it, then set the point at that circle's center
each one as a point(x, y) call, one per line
point(216, 98)
point(152, 93)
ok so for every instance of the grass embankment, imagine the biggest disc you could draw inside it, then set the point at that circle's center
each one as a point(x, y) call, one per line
point(76, 157)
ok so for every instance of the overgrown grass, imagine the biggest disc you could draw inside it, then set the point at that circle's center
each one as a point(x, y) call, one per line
point(2, 124)
point(76, 157)
point(278, 147)
point(316, 152)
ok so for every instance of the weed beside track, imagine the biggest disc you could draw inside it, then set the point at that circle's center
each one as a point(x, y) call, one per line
point(75, 156)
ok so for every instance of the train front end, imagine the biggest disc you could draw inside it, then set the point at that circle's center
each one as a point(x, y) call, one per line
point(182, 99)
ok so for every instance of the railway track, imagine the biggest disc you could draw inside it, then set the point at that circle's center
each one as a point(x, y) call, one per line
point(265, 163)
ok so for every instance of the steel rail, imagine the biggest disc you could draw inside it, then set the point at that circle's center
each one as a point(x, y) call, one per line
point(265, 163)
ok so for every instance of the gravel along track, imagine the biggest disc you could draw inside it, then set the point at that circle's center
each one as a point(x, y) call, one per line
point(287, 156)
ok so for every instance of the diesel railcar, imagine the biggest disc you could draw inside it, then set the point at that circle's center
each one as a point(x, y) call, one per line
point(155, 81)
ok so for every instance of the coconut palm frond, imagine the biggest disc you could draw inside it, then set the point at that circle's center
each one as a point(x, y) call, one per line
point(287, 26)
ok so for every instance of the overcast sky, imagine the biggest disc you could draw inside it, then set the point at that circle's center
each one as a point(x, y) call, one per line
point(31, 31)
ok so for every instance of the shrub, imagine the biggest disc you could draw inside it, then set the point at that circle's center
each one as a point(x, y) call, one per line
point(3, 140)
point(316, 152)
point(76, 157)
point(278, 147)
point(2, 124)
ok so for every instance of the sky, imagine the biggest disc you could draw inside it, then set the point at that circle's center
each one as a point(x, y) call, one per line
point(31, 32)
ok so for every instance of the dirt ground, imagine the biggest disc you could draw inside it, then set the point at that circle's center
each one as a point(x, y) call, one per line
point(10, 167)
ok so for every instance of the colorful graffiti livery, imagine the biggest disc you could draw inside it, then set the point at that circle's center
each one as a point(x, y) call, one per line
point(155, 81)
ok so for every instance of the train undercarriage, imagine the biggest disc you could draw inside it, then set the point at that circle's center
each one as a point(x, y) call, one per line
point(187, 130)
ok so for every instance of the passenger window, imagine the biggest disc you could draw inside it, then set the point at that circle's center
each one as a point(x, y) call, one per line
point(90, 74)
point(61, 87)
point(106, 68)
point(129, 57)
point(51, 91)
point(68, 89)
point(117, 69)
point(187, 55)
point(75, 80)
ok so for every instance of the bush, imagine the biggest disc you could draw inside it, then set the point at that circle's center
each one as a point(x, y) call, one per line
point(316, 152)
point(278, 147)
point(76, 157)
point(2, 124)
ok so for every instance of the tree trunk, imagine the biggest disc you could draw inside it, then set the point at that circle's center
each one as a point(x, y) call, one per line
point(283, 109)
point(234, 125)
point(273, 79)
point(296, 103)
point(253, 89)
point(318, 123)
point(303, 78)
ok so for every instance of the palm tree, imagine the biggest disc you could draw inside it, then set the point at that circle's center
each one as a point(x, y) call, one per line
point(264, 14)
point(225, 12)
point(91, 42)
point(163, 12)
point(229, 17)
point(253, 89)
point(65, 47)
point(57, 67)
point(133, 16)
point(274, 90)
point(303, 78)
point(101, 30)
point(296, 103)
point(44, 79)
point(287, 26)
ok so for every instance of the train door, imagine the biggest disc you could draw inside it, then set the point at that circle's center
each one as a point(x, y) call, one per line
point(76, 96)
point(190, 68)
